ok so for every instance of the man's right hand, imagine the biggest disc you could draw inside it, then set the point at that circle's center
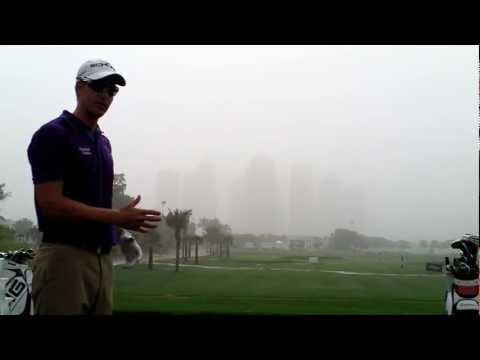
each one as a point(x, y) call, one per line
point(132, 218)
point(49, 196)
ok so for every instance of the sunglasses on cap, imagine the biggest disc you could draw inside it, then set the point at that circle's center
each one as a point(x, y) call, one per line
point(100, 86)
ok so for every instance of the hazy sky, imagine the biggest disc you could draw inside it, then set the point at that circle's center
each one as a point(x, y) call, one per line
point(393, 129)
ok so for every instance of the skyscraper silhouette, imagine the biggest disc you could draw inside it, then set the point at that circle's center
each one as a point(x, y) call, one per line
point(301, 215)
point(199, 191)
point(262, 195)
point(167, 189)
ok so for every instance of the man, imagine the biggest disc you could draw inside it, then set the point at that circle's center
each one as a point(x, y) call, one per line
point(72, 171)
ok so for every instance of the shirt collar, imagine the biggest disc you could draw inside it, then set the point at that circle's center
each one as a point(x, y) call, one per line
point(77, 124)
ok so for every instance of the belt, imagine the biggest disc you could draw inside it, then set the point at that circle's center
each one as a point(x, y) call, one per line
point(96, 249)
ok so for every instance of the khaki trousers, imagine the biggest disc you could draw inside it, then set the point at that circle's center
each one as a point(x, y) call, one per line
point(71, 281)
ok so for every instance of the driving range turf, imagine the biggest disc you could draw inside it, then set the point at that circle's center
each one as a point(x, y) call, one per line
point(283, 283)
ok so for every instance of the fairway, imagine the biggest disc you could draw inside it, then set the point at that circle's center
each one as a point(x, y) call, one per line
point(285, 284)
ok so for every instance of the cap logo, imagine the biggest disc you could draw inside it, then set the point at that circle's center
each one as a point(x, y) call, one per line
point(102, 64)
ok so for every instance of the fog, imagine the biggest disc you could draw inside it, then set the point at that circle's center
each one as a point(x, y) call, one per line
point(270, 139)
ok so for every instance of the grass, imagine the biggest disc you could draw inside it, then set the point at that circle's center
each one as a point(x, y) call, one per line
point(269, 291)
point(335, 261)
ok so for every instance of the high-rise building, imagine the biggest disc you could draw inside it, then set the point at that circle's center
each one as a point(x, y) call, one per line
point(199, 190)
point(327, 205)
point(167, 189)
point(238, 206)
point(339, 205)
point(262, 197)
point(301, 214)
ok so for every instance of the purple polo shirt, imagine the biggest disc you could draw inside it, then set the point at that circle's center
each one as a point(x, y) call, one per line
point(65, 149)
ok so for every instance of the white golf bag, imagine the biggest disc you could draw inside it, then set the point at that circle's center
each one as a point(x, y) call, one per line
point(16, 283)
point(16, 275)
point(462, 296)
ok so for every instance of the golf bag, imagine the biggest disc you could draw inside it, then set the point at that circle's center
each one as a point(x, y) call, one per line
point(462, 295)
point(16, 283)
point(16, 275)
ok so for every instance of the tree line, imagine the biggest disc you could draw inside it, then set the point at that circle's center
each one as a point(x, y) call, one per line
point(345, 239)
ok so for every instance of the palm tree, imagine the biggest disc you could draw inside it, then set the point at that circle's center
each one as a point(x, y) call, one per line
point(190, 243)
point(197, 240)
point(183, 245)
point(227, 238)
point(153, 238)
point(150, 253)
point(228, 241)
point(178, 220)
point(3, 193)
point(217, 235)
point(190, 238)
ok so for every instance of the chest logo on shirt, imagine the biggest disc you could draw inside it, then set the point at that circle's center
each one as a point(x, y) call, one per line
point(85, 150)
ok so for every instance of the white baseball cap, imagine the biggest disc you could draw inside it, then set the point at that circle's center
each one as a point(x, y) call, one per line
point(99, 69)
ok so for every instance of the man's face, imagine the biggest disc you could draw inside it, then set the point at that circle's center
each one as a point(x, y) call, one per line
point(97, 96)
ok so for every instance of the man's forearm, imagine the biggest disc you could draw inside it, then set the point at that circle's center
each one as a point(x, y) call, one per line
point(66, 208)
